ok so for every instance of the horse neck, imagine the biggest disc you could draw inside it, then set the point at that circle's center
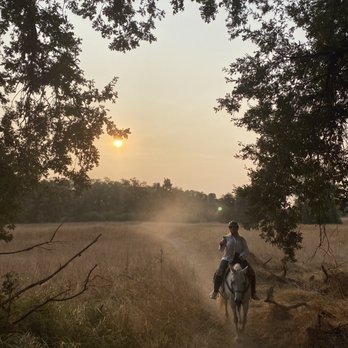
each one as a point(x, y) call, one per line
point(229, 289)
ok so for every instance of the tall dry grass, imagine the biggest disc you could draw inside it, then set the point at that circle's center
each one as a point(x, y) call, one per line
point(152, 285)
point(138, 298)
point(270, 325)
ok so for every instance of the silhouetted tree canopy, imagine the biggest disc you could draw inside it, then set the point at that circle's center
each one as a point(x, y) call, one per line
point(295, 84)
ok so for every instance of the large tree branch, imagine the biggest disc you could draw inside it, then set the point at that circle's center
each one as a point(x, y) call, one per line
point(57, 298)
point(46, 279)
point(270, 299)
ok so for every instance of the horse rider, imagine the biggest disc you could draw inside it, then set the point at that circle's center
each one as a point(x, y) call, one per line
point(235, 250)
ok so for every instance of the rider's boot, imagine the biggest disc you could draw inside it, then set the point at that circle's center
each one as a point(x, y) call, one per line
point(252, 278)
point(213, 295)
point(217, 283)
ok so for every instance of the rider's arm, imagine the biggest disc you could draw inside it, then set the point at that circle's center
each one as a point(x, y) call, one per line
point(222, 244)
point(245, 253)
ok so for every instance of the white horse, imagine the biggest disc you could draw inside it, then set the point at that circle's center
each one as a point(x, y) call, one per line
point(236, 288)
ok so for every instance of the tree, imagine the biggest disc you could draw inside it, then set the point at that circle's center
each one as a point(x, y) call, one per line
point(296, 85)
point(167, 184)
point(51, 113)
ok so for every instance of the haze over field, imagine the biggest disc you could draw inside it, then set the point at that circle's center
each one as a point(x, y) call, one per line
point(167, 92)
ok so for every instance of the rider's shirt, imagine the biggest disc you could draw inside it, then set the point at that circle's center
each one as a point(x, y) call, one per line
point(232, 245)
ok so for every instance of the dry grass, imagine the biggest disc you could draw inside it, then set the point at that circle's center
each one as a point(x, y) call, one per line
point(138, 298)
point(269, 325)
point(153, 280)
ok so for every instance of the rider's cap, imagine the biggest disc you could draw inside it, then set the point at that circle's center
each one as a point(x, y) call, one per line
point(233, 224)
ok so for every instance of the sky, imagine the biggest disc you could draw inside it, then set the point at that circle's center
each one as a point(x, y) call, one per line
point(167, 92)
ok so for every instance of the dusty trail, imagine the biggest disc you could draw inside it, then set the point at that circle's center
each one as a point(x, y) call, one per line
point(191, 252)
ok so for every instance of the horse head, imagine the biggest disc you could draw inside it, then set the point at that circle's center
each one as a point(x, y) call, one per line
point(239, 283)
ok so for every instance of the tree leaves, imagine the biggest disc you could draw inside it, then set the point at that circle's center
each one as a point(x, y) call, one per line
point(297, 91)
point(51, 114)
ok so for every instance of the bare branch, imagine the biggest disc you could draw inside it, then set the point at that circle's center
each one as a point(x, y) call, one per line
point(281, 279)
point(55, 232)
point(265, 263)
point(285, 270)
point(339, 265)
point(325, 272)
point(58, 298)
point(35, 245)
point(46, 279)
point(269, 294)
point(85, 286)
point(324, 245)
point(333, 278)
point(288, 307)
point(270, 299)
point(25, 249)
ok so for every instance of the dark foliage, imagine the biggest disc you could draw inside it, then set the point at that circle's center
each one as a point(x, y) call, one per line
point(295, 84)
point(126, 200)
point(130, 200)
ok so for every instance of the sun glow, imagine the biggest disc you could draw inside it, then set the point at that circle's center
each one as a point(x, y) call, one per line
point(118, 143)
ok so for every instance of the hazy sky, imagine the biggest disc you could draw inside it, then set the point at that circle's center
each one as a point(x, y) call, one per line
point(167, 92)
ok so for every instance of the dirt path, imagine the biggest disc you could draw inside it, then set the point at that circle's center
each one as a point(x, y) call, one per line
point(182, 249)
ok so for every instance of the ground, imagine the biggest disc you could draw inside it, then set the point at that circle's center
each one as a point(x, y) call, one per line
point(269, 325)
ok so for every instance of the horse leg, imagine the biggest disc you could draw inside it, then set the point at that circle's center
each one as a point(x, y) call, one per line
point(226, 309)
point(236, 323)
point(245, 315)
point(235, 316)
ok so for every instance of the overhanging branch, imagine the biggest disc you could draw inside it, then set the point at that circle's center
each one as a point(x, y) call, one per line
point(46, 279)
point(270, 299)
point(58, 298)
point(35, 245)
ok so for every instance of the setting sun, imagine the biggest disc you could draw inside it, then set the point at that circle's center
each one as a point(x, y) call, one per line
point(118, 143)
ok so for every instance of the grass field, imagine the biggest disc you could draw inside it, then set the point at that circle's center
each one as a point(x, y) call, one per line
point(151, 284)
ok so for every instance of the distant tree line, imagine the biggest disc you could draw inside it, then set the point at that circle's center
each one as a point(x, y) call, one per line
point(125, 200)
point(130, 200)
